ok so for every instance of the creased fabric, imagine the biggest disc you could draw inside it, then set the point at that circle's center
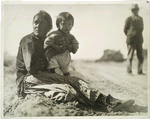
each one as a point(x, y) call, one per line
point(58, 92)
point(32, 64)
point(86, 94)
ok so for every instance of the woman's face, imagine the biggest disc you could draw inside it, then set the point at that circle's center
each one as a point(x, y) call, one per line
point(65, 26)
point(40, 26)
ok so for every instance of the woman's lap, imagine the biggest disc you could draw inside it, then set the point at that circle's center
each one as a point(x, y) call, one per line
point(83, 88)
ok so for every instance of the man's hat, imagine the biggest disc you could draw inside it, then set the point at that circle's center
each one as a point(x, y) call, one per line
point(134, 6)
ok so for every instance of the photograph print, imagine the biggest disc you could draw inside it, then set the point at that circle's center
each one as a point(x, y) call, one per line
point(75, 59)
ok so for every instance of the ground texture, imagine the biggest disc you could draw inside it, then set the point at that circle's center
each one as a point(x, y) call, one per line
point(109, 78)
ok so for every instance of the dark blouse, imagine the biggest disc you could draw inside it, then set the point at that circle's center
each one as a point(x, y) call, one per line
point(30, 57)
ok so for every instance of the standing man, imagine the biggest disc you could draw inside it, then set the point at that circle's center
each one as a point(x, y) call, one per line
point(133, 30)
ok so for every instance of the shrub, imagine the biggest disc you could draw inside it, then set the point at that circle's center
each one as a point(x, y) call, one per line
point(9, 60)
point(111, 55)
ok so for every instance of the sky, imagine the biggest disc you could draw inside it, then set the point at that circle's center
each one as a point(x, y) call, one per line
point(97, 27)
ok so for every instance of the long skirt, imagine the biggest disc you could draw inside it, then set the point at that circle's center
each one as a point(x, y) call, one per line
point(87, 95)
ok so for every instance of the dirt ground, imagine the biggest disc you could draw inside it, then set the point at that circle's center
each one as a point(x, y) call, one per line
point(109, 78)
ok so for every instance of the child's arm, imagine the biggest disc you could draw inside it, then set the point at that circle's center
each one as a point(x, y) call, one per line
point(49, 43)
point(73, 46)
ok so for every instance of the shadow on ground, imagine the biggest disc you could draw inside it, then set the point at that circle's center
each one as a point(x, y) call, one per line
point(136, 108)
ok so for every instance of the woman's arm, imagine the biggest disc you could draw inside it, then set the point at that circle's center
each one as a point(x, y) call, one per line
point(32, 59)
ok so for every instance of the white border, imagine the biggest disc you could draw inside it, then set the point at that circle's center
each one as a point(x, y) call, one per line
point(72, 2)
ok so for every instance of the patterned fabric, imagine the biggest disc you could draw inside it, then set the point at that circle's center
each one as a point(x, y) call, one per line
point(58, 92)
point(32, 64)
point(87, 95)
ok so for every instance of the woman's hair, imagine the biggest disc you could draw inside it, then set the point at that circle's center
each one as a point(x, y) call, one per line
point(64, 16)
point(46, 16)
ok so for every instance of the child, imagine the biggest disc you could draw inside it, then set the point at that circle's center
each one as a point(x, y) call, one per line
point(59, 44)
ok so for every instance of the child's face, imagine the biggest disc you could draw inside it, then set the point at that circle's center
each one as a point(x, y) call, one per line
point(66, 26)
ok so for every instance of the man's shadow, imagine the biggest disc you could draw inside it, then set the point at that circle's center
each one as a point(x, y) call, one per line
point(136, 108)
point(132, 109)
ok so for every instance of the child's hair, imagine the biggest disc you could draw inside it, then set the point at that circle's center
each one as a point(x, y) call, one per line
point(64, 16)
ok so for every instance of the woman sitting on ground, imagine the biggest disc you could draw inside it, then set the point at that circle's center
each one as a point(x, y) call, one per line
point(32, 63)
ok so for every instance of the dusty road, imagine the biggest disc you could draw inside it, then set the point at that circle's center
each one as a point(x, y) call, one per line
point(111, 78)
point(108, 78)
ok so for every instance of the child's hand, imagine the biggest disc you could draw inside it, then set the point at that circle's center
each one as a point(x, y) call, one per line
point(69, 47)
point(61, 49)
point(64, 48)
point(58, 48)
